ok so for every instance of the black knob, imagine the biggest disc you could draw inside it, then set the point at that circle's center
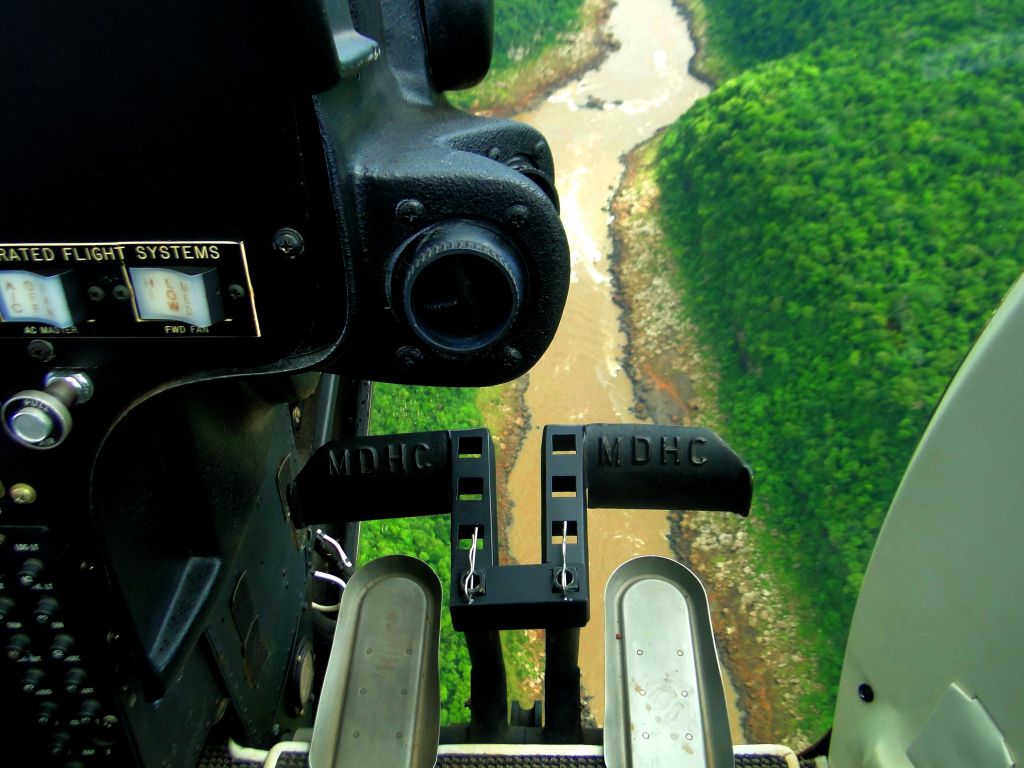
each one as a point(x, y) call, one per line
point(18, 647)
point(47, 714)
point(75, 680)
point(59, 745)
point(46, 610)
point(6, 607)
point(460, 39)
point(88, 712)
point(61, 648)
point(31, 681)
point(31, 572)
point(462, 287)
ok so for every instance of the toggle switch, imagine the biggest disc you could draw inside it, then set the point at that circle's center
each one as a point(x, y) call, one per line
point(42, 419)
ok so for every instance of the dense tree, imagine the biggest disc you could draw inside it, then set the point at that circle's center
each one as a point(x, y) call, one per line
point(847, 210)
point(412, 409)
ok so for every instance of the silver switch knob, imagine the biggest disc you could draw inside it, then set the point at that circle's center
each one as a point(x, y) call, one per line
point(41, 419)
point(32, 425)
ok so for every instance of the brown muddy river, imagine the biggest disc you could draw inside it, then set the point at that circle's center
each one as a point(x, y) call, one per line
point(591, 123)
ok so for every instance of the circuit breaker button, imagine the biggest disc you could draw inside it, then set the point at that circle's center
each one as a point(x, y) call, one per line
point(18, 647)
point(31, 572)
point(61, 648)
point(75, 680)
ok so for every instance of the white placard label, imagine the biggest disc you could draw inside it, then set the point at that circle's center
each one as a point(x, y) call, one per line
point(29, 297)
point(182, 296)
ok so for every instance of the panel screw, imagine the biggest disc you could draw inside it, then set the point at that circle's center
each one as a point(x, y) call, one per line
point(121, 293)
point(517, 215)
point(409, 210)
point(288, 242)
point(409, 357)
point(866, 693)
point(235, 291)
point(22, 493)
point(40, 350)
point(96, 294)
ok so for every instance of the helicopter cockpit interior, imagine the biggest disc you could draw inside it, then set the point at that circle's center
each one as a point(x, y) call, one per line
point(219, 222)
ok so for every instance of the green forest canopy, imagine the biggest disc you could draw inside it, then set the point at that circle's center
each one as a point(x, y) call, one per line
point(848, 209)
point(523, 28)
point(399, 409)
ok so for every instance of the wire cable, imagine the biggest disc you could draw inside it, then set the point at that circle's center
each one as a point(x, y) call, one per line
point(329, 577)
point(336, 545)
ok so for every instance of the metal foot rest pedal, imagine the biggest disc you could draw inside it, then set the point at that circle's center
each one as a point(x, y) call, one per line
point(664, 699)
point(380, 704)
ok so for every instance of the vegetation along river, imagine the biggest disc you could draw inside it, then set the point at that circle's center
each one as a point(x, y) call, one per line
point(591, 122)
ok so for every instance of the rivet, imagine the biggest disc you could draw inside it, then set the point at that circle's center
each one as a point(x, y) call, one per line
point(866, 693)
point(689, 737)
point(679, 653)
point(684, 694)
point(639, 651)
point(646, 735)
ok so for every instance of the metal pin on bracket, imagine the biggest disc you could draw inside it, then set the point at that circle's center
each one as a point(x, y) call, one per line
point(468, 587)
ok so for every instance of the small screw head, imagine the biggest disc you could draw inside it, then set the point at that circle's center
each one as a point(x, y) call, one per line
point(121, 292)
point(288, 242)
point(96, 294)
point(409, 210)
point(517, 215)
point(23, 493)
point(409, 357)
point(866, 693)
point(41, 350)
point(235, 291)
